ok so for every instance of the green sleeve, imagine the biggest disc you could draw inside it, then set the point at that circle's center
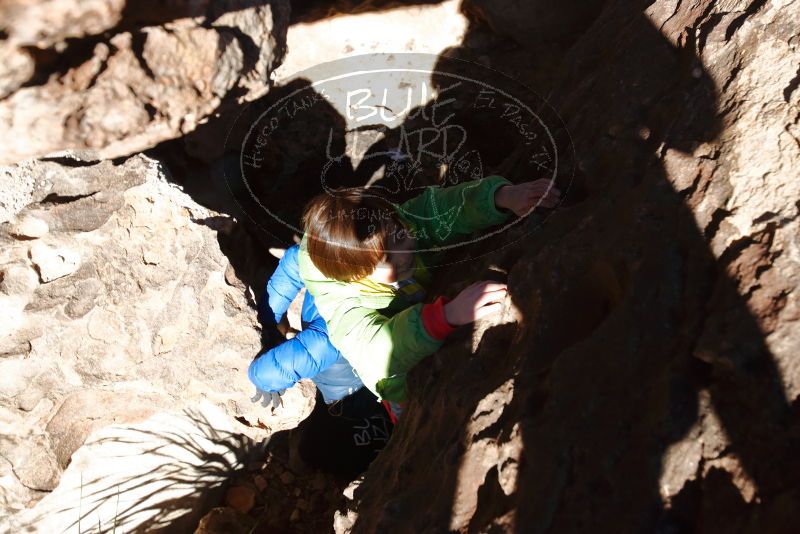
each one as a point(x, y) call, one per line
point(440, 215)
point(381, 349)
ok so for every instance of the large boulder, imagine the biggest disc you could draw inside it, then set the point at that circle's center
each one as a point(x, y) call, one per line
point(122, 77)
point(118, 303)
point(46, 23)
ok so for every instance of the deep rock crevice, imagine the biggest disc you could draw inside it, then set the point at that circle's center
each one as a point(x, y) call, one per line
point(643, 375)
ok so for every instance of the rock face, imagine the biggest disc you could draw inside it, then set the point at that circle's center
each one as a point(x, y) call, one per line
point(117, 304)
point(116, 482)
point(120, 77)
point(645, 377)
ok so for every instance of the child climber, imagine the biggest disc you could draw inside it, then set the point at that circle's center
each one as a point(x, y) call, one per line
point(359, 260)
point(346, 416)
point(309, 354)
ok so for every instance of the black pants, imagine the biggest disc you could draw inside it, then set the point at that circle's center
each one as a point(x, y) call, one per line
point(344, 437)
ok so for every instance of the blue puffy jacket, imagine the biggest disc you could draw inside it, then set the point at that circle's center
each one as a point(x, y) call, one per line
point(309, 354)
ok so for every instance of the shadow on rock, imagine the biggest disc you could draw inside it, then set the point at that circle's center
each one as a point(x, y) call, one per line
point(157, 475)
point(629, 387)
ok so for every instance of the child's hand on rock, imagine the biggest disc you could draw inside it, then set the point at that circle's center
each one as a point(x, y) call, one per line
point(521, 198)
point(267, 397)
point(475, 302)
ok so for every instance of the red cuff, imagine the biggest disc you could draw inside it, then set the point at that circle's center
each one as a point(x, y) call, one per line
point(434, 320)
point(392, 416)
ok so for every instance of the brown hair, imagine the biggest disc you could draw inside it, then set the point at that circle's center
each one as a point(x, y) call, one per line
point(347, 232)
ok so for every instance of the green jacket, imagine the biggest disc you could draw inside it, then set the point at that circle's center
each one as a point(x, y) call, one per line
point(378, 328)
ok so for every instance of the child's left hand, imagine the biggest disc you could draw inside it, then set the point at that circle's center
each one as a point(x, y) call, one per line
point(521, 198)
point(267, 397)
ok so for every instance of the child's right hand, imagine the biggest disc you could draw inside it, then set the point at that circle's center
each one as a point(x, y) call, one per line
point(475, 302)
point(521, 198)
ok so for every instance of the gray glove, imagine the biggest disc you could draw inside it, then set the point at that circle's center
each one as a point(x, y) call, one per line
point(269, 396)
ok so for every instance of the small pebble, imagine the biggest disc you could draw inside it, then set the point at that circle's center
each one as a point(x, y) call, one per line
point(240, 498)
point(260, 482)
point(28, 400)
point(349, 491)
point(29, 227)
point(287, 477)
point(18, 280)
point(53, 262)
